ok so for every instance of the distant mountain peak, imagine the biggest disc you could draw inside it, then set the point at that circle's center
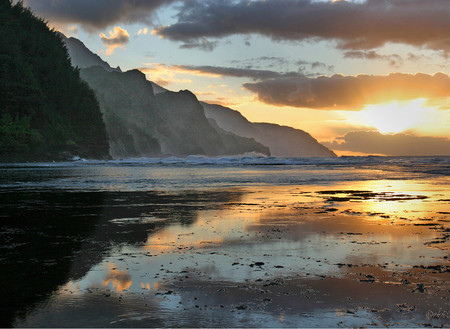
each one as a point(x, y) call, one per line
point(283, 141)
point(82, 57)
point(136, 73)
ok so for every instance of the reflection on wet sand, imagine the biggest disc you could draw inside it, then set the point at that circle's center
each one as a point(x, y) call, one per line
point(353, 254)
point(119, 280)
point(50, 238)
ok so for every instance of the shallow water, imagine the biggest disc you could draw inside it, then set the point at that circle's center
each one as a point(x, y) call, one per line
point(230, 242)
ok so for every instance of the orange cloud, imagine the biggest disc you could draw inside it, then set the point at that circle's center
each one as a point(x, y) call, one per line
point(349, 92)
point(164, 75)
point(143, 31)
point(397, 144)
point(118, 37)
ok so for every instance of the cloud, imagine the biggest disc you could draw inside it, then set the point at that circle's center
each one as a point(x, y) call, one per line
point(393, 60)
point(213, 71)
point(315, 66)
point(163, 75)
point(95, 15)
point(235, 72)
point(353, 25)
point(200, 94)
point(271, 61)
point(203, 44)
point(143, 31)
point(349, 92)
point(398, 144)
point(335, 92)
point(69, 30)
point(248, 72)
point(118, 37)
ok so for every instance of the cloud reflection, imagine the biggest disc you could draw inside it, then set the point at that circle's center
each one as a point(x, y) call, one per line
point(119, 280)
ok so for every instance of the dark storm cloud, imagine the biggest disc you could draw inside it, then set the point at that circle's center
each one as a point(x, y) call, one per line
point(349, 92)
point(354, 25)
point(397, 144)
point(95, 14)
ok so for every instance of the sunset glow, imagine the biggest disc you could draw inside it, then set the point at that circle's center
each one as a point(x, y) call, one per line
point(396, 117)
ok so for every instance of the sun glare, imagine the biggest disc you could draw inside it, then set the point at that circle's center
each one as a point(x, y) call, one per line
point(395, 117)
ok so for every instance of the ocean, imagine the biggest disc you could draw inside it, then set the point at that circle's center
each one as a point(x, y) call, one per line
point(226, 242)
point(196, 172)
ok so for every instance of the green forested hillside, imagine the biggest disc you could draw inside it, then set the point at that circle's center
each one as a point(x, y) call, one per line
point(46, 111)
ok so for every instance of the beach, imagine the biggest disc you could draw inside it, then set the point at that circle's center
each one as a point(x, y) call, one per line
point(227, 243)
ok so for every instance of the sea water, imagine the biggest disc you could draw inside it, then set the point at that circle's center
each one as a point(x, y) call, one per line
point(196, 172)
point(227, 241)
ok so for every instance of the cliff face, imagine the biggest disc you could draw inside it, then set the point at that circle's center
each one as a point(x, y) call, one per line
point(186, 130)
point(282, 141)
point(82, 57)
point(144, 119)
point(126, 111)
point(46, 111)
point(140, 123)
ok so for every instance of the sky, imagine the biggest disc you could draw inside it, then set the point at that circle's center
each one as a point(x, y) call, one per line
point(361, 76)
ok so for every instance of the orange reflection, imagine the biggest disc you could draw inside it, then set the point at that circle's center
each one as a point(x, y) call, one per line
point(234, 220)
point(403, 199)
point(150, 286)
point(205, 232)
point(388, 214)
point(396, 210)
point(145, 286)
point(120, 280)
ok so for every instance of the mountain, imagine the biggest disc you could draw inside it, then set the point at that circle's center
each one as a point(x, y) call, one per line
point(157, 89)
point(282, 141)
point(82, 57)
point(144, 119)
point(140, 123)
point(46, 111)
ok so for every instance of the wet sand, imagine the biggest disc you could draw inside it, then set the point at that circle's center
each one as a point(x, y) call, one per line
point(371, 253)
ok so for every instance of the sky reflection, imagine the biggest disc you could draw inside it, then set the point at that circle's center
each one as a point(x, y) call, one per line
point(302, 243)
